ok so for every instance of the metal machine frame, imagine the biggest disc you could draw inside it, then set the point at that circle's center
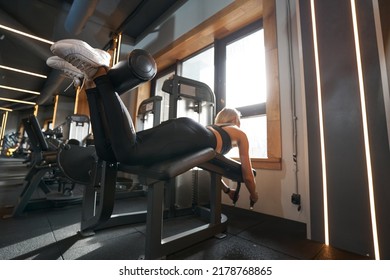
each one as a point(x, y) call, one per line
point(43, 160)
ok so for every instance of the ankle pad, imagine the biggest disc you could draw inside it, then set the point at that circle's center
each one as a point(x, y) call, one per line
point(139, 67)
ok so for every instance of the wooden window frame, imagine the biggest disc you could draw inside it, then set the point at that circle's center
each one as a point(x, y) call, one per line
point(232, 18)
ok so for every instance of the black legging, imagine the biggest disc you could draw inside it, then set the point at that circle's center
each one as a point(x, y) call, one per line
point(171, 138)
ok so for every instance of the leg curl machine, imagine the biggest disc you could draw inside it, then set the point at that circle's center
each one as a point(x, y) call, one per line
point(149, 112)
point(44, 160)
point(192, 99)
point(100, 192)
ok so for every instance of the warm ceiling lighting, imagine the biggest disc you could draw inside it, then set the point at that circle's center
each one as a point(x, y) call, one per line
point(20, 89)
point(25, 34)
point(17, 101)
point(22, 71)
point(5, 109)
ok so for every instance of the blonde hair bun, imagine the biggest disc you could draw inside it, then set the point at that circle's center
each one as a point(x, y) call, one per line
point(227, 115)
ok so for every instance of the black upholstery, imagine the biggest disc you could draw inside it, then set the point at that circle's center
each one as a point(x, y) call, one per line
point(139, 67)
point(77, 162)
point(224, 166)
point(173, 167)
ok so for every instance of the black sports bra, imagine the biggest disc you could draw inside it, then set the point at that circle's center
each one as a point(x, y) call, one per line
point(226, 140)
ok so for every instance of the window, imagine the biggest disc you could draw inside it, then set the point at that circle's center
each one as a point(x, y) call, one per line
point(263, 116)
point(255, 128)
point(200, 67)
point(243, 84)
point(245, 71)
point(243, 56)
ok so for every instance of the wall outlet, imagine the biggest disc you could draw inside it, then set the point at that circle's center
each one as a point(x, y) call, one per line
point(296, 199)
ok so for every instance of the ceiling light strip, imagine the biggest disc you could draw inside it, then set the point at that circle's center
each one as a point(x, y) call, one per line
point(5, 109)
point(365, 131)
point(20, 89)
point(25, 34)
point(17, 101)
point(321, 124)
point(23, 71)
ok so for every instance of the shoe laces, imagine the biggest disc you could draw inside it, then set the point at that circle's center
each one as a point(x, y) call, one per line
point(76, 83)
point(82, 65)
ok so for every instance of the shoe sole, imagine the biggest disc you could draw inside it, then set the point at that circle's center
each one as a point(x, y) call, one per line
point(54, 62)
point(82, 45)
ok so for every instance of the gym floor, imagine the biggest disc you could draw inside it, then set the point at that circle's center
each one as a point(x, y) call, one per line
point(51, 233)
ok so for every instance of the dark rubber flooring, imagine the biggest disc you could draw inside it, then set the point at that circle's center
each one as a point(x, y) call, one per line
point(51, 233)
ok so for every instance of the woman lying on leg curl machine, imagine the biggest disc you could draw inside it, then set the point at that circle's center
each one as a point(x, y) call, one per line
point(171, 138)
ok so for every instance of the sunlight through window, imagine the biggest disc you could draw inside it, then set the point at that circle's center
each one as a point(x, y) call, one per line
point(245, 71)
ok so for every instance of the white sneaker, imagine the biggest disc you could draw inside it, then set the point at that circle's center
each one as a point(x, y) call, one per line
point(67, 68)
point(81, 55)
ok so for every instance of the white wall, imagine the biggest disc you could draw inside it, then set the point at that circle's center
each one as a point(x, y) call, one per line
point(292, 179)
point(275, 187)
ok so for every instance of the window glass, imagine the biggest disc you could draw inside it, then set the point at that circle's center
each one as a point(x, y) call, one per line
point(256, 130)
point(200, 67)
point(245, 71)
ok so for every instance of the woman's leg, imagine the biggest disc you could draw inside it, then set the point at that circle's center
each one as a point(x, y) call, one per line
point(99, 126)
point(172, 138)
point(121, 129)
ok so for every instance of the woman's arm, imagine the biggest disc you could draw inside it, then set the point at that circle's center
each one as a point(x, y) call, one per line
point(246, 165)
